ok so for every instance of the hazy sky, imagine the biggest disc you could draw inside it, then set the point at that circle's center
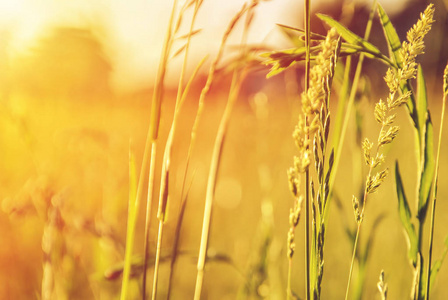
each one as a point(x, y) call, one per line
point(133, 30)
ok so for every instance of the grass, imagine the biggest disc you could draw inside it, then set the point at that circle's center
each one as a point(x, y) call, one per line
point(194, 242)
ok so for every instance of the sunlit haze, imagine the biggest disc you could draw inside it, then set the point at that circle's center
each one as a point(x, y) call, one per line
point(132, 32)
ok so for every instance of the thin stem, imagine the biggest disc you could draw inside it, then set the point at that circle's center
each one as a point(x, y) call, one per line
point(148, 214)
point(158, 88)
point(153, 132)
point(157, 262)
point(163, 202)
point(164, 187)
point(431, 239)
point(235, 86)
point(355, 246)
point(307, 235)
point(183, 198)
point(133, 207)
point(419, 264)
point(351, 101)
point(176, 245)
point(307, 22)
point(211, 183)
point(288, 289)
point(434, 196)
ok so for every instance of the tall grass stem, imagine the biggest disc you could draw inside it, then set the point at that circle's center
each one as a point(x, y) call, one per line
point(157, 260)
point(211, 183)
point(307, 24)
point(149, 200)
point(434, 191)
point(217, 147)
point(351, 101)
point(355, 246)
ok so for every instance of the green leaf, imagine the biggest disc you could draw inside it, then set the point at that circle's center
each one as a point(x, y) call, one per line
point(428, 167)
point(351, 37)
point(280, 60)
point(422, 105)
point(393, 41)
point(405, 217)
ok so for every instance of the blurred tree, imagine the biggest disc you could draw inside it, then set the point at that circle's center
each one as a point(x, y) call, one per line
point(70, 62)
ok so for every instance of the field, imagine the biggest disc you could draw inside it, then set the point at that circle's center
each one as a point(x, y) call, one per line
point(81, 160)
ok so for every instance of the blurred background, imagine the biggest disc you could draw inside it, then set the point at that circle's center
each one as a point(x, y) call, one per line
point(76, 82)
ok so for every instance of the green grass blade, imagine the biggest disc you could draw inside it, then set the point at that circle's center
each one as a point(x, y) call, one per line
point(393, 41)
point(405, 216)
point(427, 174)
point(351, 37)
point(281, 60)
point(422, 103)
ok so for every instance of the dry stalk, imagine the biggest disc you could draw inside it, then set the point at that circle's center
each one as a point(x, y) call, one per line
point(237, 78)
point(164, 186)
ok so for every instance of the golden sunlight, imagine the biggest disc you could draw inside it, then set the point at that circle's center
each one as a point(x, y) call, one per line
point(227, 179)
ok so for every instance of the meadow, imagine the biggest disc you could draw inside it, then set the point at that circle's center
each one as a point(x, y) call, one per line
point(268, 173)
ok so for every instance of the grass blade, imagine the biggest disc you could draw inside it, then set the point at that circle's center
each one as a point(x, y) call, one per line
point(158, 89)
point(427, 174)
point(237, 78)
point(422, 103)
point(351, 37)
point(405, 216)
point(393, 41)
point(164, 185)
point(211, 182)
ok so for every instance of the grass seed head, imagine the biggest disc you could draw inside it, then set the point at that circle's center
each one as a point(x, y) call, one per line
point(367, 148)
point(386, 137)
point(373, 183)
point(414, 45)
point(357, 210)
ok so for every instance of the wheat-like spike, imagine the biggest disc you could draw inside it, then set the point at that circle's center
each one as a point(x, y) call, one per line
point(310, 136)
point(373, 183)
point(414, 45)
point(367, 148)
point(380, 111)
point(357, 209)
point(386, 137)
